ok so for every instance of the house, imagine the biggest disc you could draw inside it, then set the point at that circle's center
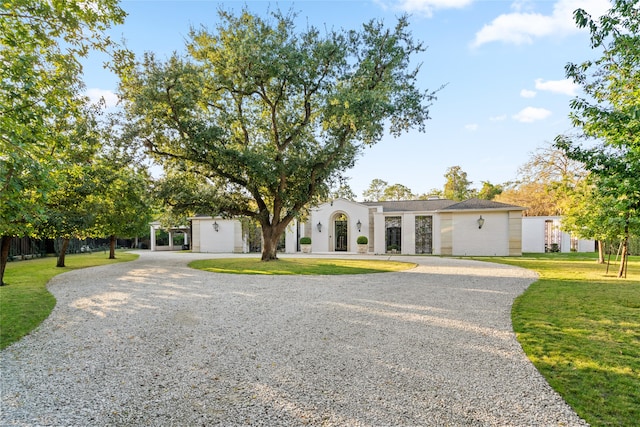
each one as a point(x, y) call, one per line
point(434, 226)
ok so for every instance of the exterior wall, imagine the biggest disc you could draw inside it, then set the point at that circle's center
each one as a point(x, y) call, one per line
point(195, 241)
point(378, 231)
point(533, 233)
point(227, 239)
point(409, 233)
point(515, 233)
point(446, 233)
point(490, 240)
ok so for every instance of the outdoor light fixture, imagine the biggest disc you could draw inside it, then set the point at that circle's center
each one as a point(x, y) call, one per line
point(480, 222)
point(359, 225)
point(216, 227)
point(319, 227)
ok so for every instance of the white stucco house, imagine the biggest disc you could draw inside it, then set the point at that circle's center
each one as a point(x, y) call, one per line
point(435, 226)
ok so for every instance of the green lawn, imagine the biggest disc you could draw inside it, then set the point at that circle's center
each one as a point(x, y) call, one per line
point(304, 266)
point(581, 329)
point(25, 301)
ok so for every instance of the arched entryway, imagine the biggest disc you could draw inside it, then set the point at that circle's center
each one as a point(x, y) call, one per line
point(340, 232)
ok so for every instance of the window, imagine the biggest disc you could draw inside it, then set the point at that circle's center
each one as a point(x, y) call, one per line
point(424, 234)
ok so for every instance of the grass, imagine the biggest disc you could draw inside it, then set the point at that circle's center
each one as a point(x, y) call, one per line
point(301, 266)
point(581, 329)
point(25, 301)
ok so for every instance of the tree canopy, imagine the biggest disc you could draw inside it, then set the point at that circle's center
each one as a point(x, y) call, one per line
point(41, 43)
point(270, 117)
point(546, 182)
point(457, 186)
point(609, 113)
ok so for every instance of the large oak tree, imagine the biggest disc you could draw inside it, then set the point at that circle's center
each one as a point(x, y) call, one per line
point(270, 116)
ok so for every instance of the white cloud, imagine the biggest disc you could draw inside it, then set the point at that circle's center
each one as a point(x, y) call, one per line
point(523, 27)
point(95, 95)
point(499, 118)
point(525, 93)
point(424, 7)
point(532, 114)
point(565, 87)
point(472, 127)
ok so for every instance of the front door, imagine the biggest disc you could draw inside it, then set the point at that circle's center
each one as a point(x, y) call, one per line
point(341, 233)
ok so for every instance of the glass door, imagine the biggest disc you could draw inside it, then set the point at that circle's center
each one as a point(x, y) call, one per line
point(341, 233)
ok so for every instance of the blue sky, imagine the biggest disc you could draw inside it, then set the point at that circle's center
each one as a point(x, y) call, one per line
point(502, 61)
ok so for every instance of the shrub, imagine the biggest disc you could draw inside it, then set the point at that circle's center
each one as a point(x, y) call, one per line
point(362, 240)
point(305, 240)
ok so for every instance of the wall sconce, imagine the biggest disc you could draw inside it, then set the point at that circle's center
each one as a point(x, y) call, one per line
point(359, 225)
point(216, 227)
point(480, 222)
point(319, 227)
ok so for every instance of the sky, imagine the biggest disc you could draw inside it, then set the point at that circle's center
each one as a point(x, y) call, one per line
point(501, 63)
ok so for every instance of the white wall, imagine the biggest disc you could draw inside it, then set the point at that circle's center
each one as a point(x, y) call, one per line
point(227, 239)
point(490, 240)
point(533, 233)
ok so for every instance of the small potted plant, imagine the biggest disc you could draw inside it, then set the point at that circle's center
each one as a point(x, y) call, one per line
point(393, 249)
point(363, 245)
point(305, 245)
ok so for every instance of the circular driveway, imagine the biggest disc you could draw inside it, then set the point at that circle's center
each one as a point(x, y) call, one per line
point(155, 343)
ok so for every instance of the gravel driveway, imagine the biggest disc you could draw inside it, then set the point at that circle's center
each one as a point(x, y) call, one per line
point(155, 343)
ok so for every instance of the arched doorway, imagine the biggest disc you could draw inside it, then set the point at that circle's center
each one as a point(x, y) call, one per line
point(341, 233)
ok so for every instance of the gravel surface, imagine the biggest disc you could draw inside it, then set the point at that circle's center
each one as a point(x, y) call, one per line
point(155, 343)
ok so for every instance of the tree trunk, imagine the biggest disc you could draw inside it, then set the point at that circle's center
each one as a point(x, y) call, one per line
point(622, 271)
point(269, 243)
point(112, 246)
point(4, 256)
point(601, 252)
point(63, 252)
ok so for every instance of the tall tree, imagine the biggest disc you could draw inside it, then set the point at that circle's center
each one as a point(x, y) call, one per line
point(545, 182)
point(69, 211)
point(609, 112)
point(123, 207)
point(375, 192)
point(489, 191)
point(457, 186)
point(272, 117)
point(343, 191)
point(41, 43)
point(397, 192)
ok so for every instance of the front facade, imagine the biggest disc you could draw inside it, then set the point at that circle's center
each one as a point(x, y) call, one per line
point(436, 226)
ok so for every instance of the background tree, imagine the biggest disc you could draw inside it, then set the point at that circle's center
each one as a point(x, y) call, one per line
point(457, 186)
point(375, 192)
point(609, 112)
point(69, 211)
point(489, 191)
point(271, 117)
point(545, 182)
point(397, 192)
point(434, 192)
point(343, 191)
point(41, 44)
point(123, 207)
